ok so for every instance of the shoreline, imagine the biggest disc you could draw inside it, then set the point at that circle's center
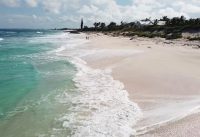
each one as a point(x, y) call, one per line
point(147, 80)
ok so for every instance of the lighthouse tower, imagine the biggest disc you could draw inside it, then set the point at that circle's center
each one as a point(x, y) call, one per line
point(81, 24)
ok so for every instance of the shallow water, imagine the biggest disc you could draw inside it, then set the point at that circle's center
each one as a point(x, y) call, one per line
point(47, 90)
point(31, 77)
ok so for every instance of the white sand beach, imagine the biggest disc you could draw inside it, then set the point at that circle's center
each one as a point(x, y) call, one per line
point(162, 77)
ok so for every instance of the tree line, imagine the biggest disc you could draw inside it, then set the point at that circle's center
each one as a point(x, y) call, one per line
point(164, 27)
point(168, 22)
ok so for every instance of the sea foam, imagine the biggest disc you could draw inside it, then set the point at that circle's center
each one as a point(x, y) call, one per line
point(100, 107)
point(38, 32)
point(1, 39)
point(103, 108)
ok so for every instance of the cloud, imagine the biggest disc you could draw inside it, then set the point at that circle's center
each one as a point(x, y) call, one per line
point(61, 11)
point(53, 6)
point(57, 6)
point(34, 16)
point(101, 10)
point(10, 3)
point(32, 3)
point(26, 21)
point(69, 19)
point(111, 11)
point(189, 8)
point(88, 9)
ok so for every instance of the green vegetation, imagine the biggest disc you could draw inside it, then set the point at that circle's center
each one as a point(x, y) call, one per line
point(195, 38)
point(169, 28)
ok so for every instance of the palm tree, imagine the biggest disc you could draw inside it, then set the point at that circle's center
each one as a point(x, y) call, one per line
point(148, 20)
point(166, 19)
point(96, 24)
point(155, 22)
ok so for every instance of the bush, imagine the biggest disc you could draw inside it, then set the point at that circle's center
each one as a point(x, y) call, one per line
point(173, 36)
point(195, 38)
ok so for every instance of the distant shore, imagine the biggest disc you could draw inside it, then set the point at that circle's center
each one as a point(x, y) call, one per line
point(161, 76)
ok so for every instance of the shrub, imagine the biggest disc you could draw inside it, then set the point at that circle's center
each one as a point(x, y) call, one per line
point(173, 36)
point(195, 38)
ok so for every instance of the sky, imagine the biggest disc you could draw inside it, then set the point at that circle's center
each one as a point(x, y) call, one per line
point(68, 13)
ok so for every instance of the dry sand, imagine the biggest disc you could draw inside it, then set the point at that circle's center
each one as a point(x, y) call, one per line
point(162, 77)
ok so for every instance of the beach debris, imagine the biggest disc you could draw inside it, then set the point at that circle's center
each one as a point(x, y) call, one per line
point(74, 32)
point(168, 42)
point(134, 37)
point(185, 45)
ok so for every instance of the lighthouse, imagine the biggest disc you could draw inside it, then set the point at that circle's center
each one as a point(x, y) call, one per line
point(81, 24)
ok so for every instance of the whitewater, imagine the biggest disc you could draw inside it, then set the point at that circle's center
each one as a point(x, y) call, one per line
point(62, 94)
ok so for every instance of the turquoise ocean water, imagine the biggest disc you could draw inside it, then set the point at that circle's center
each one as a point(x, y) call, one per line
point(31, 78)
point(48, 90)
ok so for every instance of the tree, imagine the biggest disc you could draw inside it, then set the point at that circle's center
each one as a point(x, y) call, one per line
point(102, 25)
point(166, 19)
point(96, 24)
point(124, 25)
point(183, 18)
point(155, 22)
point(148, 20)
point(132, 25)
point(112, 25)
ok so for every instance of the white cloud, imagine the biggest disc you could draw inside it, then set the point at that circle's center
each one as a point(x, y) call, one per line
point(10, 3)
point(88, 9)
point(53, 6)
point(57, 6)
point(69, 19)
point(34, 16)
point(32, 3)
point(26, 21)
point(108, 10)
point(188, 8)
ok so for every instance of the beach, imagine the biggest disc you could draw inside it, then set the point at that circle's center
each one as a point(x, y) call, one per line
point(161, 76)
point(99, 68)
point(99, 86)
